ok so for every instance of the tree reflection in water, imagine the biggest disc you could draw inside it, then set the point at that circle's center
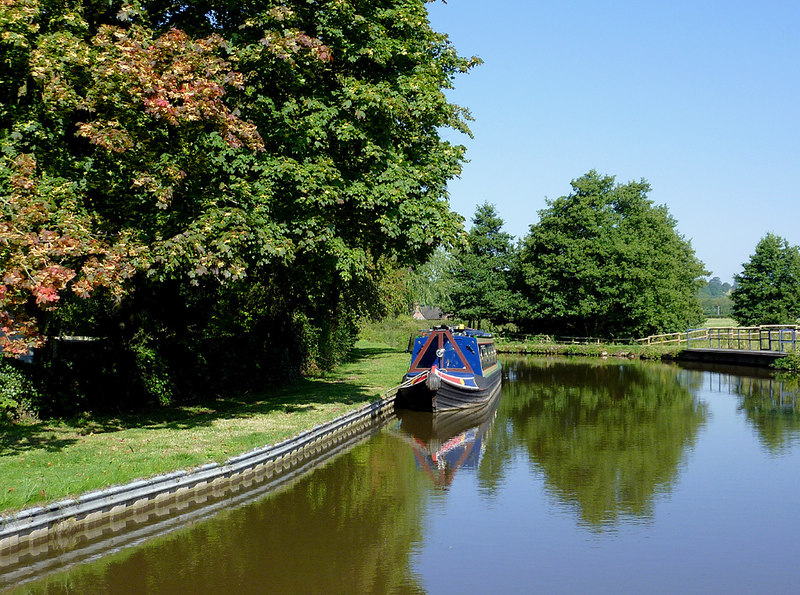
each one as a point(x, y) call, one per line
point(607, 436)
point(770, 405)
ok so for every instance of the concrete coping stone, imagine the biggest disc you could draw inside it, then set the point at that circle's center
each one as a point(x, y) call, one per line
point(27, 513)
point(62, 504)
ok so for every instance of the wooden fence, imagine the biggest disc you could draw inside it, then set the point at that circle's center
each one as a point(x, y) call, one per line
point(560, 339)
point(752, 338)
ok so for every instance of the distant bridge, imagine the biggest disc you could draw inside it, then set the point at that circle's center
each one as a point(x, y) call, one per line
point(749, 345)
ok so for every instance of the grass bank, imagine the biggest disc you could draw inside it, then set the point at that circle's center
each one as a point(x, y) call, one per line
point(533, 347)
point(396, 332)
point(720, 321)
point(51, 460)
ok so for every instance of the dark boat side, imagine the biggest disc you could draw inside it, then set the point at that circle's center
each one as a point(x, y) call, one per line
point(422, 397)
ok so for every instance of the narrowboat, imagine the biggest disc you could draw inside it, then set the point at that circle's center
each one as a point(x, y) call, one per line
point(451, 368)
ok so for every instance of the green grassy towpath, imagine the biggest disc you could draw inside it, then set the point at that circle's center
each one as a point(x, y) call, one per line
point(534, 347)
point(54, 459)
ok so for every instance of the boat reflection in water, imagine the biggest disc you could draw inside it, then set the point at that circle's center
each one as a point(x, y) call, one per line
point(446, 441)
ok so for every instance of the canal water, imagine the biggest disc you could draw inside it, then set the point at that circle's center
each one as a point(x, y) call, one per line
point(601, 476)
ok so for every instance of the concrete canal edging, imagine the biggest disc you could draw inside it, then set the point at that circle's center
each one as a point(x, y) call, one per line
point(42, 530)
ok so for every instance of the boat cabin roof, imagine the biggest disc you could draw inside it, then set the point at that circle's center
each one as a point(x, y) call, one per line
point(463, 350)
point(458, 330)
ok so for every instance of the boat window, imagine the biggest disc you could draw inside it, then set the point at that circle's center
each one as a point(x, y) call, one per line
point(488, 355)
point(428, 358)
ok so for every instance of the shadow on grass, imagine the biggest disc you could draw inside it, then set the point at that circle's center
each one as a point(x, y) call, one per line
point(359, 353)
point(16, 438)
point(301, 395)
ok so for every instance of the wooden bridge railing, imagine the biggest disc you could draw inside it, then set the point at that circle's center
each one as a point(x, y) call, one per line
point(669, 338)
point(753, 338)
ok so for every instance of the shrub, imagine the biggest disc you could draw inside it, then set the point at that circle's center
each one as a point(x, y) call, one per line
point(395, 332)
point(790, 364)
point(18, 394)
point(151, 370)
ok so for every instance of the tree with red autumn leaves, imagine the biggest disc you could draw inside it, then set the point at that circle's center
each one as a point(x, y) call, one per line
point(217, 168)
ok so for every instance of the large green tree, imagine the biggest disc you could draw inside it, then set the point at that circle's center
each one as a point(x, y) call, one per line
point(217, 168)
point(482, 288)
point(605, 261)
point(768, 289)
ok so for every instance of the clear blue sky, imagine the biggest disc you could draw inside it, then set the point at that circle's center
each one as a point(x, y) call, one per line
point(700, 98)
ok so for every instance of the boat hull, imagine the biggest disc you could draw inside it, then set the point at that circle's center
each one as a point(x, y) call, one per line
point(445, 396)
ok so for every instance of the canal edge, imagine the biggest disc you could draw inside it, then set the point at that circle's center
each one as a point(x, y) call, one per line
point(105, 511)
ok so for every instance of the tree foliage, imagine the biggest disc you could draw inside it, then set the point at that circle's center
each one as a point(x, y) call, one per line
point(605, 261)
point(716, 288)
point(163, 161)
point(714, 297)
point(768, 288)
point(482, 288)
point(431, 283)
